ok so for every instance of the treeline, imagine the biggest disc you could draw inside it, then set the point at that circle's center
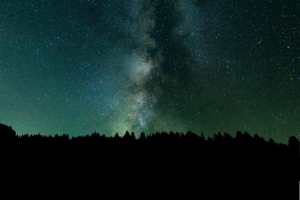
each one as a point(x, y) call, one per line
point(242, 146)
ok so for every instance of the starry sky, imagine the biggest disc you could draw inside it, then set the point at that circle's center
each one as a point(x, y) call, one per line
point(80, 66)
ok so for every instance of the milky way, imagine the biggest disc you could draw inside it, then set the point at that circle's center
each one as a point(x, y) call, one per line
point(77, 67)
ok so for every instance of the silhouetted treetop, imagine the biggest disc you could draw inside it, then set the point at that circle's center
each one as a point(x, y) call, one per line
point(7, 132)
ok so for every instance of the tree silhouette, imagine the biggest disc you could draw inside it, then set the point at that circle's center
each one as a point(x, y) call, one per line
point(117, 137)
point(271, 142)
point(142, 137)
point(7, 133)
point(127, 136)
point(162, 146)
point(132, 136)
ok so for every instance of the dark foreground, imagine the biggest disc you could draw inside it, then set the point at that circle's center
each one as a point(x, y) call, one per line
point(160, 166)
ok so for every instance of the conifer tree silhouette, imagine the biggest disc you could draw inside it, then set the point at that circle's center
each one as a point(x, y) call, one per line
point(126, 137)
point(271, 142)
point(132, 135)
point(142, 137)
point(117, 137)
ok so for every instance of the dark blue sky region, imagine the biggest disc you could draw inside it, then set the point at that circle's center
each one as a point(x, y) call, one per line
point(109, 66)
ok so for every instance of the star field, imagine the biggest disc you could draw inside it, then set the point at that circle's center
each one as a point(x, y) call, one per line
point(82, 66)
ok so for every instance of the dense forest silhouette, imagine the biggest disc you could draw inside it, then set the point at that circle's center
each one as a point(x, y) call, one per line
point(243, 146)
point(168, 156)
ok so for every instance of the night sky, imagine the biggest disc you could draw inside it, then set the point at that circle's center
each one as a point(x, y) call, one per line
point(80, 66)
